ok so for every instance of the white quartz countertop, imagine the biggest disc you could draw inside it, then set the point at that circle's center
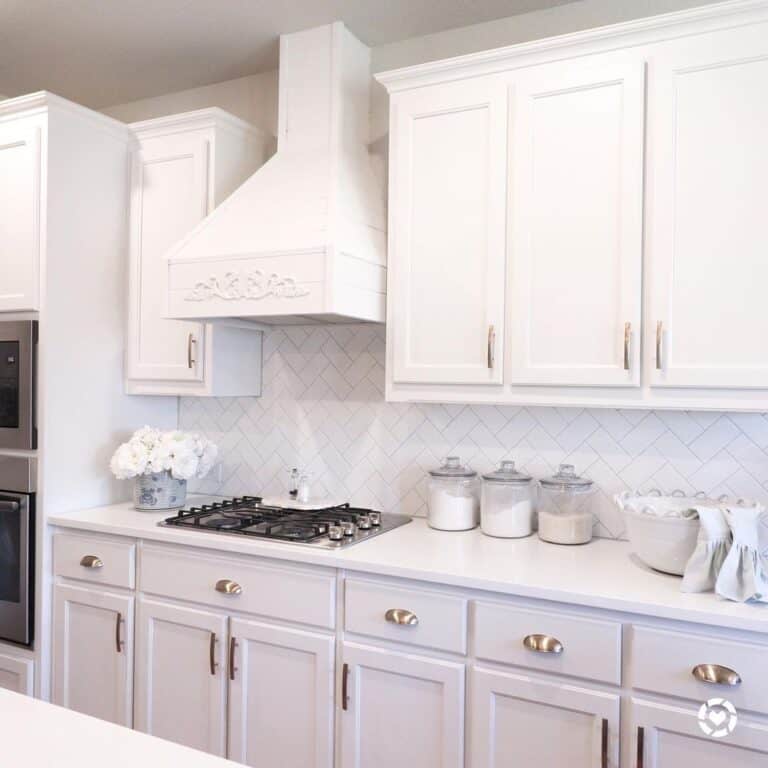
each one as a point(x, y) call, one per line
point(36, 734)
point(601, 574)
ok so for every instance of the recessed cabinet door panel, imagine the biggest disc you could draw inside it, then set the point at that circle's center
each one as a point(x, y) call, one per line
point(181, 675)
point(19, 216)
point(402, 710)
point(519, 721)
point(668, 736)
point(170, 196)
point(576, 170)
point(281, 696)
point(93, 653)
point(708, 233)
point(446, 261)
point(17, 674)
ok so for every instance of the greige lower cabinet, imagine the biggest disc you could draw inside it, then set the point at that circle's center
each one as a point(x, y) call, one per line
point(518, 720)
point(400, 709)
point(17, 674)
point(93, 652)
point(181, 675)
point(666, 734)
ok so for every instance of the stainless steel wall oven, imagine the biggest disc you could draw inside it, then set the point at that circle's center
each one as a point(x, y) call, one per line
point(18, 385)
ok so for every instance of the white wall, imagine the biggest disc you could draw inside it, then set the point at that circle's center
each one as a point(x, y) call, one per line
point(252, 98)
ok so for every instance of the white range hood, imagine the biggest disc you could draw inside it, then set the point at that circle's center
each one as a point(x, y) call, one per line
point(305, 237)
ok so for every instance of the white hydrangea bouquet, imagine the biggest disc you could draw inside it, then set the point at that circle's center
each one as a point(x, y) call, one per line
point(161, 463)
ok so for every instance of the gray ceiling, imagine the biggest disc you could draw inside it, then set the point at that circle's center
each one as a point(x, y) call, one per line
point(104, 52)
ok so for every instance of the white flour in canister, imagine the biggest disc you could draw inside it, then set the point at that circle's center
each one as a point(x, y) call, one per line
point(510, 521)
point(452, 509)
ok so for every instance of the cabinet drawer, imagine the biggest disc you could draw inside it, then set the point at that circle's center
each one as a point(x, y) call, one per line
point(91, 558)
point(663, 661)
point(281, 592)
point(591, 648)
point(441, 619)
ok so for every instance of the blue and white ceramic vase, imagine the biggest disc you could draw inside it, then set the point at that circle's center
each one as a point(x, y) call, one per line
point(159, 491)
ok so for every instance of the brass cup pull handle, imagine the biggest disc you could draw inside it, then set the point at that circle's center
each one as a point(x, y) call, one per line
point(714, 674)
point(228, 587)
point(627, 343)
point(543, 644)
point(91, 561)
point(402, 617)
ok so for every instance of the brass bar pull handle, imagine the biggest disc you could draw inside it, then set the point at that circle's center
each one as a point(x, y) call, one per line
point(714, 674)
point(640, 746)
point(190, 359)
point(345, 687)
point(118, 641)
point(491, 346)
point(627, 341)
point(232, 667)
point(543, 644)
point(228, 587)
point(659, 337)
point(212, 653)
point(604, 744)
point(91, 561)
point(402, 617)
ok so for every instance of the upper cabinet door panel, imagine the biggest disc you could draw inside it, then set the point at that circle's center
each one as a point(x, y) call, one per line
point(19, 216)
point(708, 232)
point(576, 196)
point(170, 197)
point(446, 263)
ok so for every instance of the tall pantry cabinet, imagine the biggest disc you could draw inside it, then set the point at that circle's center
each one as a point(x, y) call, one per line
point(579, 220)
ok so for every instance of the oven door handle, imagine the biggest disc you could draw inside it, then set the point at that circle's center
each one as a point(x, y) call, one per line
point(9, 506)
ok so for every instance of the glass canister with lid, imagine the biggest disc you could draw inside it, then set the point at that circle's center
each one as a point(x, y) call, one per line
point(566, 507)
point(453, 499)
point(507, 503)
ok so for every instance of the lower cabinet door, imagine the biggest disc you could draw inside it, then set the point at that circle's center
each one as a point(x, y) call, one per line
point(93, 652)
point(181, 677)
point(517, 720)
point(17, 674)
point(399, 709)
point(281, 696)
point(670, 736)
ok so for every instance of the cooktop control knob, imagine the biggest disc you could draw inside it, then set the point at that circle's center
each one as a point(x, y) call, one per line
point(364, 522)
point(335, 533)
point(375, 518)
point(350, 529)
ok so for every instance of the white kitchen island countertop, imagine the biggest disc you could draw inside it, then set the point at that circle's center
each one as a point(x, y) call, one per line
point(601, 574)
point(36, 734)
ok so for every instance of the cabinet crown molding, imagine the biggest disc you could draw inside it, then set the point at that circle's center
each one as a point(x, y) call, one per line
point(641, 31)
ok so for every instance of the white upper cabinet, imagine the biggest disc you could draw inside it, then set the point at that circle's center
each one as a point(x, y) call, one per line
point(447, 211)
point(575, 233)
point(20, 174)
point(185, 166)
point(708, 122)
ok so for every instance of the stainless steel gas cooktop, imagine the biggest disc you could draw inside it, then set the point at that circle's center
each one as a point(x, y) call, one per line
point(329, 528)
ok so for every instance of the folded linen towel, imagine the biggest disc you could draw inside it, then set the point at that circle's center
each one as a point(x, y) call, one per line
point(712, 547)
point(742, 576)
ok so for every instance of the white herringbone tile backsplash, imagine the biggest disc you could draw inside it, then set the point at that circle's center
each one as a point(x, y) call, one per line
point(323, 410)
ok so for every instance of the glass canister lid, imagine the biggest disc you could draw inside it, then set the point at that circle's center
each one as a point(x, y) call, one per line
point(452, 467)
point(506, 473)
point(566, 479)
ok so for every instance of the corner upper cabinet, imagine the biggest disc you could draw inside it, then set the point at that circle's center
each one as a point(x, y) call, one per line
point(575, 222)
point(708, 172)
point(184, 166)
point(445, 313)
point(20, 177)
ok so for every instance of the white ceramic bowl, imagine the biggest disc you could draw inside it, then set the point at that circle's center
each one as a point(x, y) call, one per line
point(663, 543)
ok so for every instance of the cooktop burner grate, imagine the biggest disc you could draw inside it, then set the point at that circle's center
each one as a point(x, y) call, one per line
point(331, 527)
